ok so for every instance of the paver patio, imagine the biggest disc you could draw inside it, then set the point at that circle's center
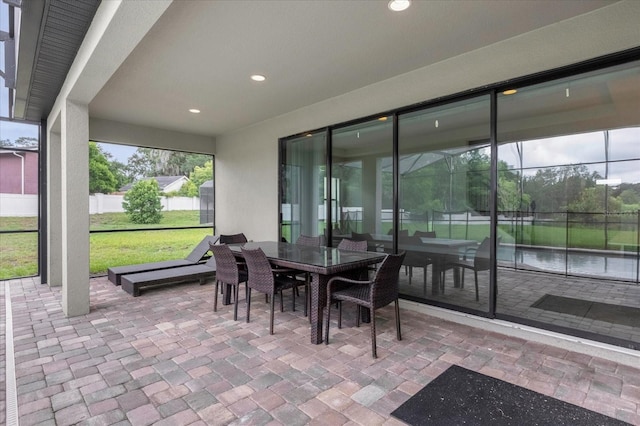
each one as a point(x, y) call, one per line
point(166, 358)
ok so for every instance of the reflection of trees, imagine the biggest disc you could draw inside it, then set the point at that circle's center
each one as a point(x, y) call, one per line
point(556, 188)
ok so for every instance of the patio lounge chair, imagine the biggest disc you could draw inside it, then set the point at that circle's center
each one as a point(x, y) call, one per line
point(133, 283)
point(196, 256)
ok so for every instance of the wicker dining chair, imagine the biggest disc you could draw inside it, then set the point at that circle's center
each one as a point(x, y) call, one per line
point(353, 245)
point(307, 240)
point(267, 280)
point(233, 238)
point(228, 273)
point(373, 294)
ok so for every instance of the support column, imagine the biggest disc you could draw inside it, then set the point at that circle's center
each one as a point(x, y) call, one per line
point(54, 211)
point(75, 208)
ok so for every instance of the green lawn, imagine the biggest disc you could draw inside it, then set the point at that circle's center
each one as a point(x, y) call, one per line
point(19, 252)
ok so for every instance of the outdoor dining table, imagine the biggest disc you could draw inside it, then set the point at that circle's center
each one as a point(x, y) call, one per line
point(322, 262)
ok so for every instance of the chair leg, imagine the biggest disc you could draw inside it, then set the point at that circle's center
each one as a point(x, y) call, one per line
point(327, 313)
point(358, 312)
point(398, 332)
point(339, 303)
point(273, 302)
point(281, 300)
point(235, 305)
point(248, 297)
point(293, 299)
point(373, 334)
point(215, 298)
point(475, 273)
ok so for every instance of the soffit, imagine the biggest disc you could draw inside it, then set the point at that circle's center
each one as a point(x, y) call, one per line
point(51, 31)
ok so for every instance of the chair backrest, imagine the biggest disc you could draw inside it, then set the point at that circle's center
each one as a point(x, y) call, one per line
point(233, 238)
point(307, 240)
point(259, 269)
point(481, 261)
point(401, 233)
point(354, 245)
point(384, 289)
point(226, 265)
point(361, 237)
point(425, 234)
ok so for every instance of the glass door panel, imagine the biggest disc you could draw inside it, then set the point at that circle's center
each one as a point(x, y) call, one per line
point(303, 186)
point(444, 201)
point(570, 146)
point(362, 181)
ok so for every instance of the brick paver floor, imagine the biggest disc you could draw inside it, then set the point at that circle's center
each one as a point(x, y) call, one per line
point(166, 358)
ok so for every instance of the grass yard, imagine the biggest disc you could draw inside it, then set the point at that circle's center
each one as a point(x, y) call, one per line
point(128, 248)
point(19, 252)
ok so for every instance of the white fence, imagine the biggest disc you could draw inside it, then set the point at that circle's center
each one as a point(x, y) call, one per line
point(27, 205)
point(20, 205)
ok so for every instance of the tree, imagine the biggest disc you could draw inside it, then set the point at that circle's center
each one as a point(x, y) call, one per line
point(101, 179)
point(142, 202)
point(149, 162)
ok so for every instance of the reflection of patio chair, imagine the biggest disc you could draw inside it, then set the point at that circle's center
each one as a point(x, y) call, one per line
point(480, 262)
point(415, 258)
point(197, 255)
point(372, 294)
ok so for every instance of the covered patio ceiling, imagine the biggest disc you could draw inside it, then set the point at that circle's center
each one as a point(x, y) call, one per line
point(200, 54)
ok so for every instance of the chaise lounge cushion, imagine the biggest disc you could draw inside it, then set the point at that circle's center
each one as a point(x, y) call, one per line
point(133, 283)
point(197, 255)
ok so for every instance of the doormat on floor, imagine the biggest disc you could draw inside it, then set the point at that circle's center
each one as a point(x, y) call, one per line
point(463, 397)
point(615, 314)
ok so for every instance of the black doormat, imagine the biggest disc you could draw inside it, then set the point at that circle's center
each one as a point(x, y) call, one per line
point(615, 314)
point(463, 397)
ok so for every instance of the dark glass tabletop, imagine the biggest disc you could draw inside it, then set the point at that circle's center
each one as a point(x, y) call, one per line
point(324, 260)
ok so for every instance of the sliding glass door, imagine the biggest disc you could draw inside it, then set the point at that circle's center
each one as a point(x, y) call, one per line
point(303, 208)
point(444, 201)
point(362, 180)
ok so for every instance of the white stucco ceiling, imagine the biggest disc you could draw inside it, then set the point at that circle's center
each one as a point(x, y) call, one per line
point(200, 54)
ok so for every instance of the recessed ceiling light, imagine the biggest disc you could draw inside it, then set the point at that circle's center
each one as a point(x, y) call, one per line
point(258, 77)
point(510, 92)
point(399, 5)
point(194, 110)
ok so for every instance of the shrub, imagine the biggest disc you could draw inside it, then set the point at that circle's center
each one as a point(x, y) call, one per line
point(142, 202)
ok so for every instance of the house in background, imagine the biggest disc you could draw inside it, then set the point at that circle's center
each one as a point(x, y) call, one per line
point(165, 183)
point(18, 172)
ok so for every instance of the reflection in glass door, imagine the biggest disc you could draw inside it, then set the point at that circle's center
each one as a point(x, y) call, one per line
point(303, 186)
point(570, 261)
point(444, 201)
point(362, 178)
